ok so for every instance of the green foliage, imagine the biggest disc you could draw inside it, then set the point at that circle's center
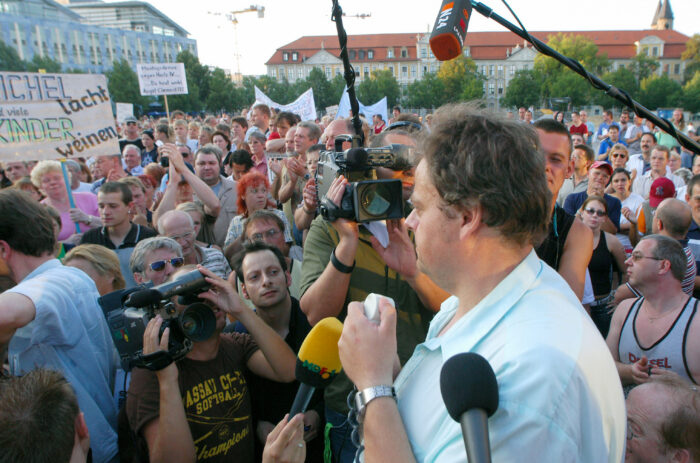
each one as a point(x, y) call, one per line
point(643, 66)
point(660, 92)
point(123, 84)
point(44, 64)
point(222, 93)
point(692, 56)
point(460, 80)
point(524, 89)
point(428, 92)
point(381, 83)
point(198, 81)
point(10, 60)
point(691, 93)
point(624, 79)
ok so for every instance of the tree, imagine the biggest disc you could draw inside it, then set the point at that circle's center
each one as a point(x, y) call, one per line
point(460, 80)
point(123, 84)
point(643, 66)
point(198, 81)
point(380, 84)
point(428, 92)
point(524, 89)
point(10, 60)
point(322, 88)
point(222, 95)
point(691, 93)
point(557, 77)
point(660, 92)
point(44, 63)
point(624, 79)
point(692, 56)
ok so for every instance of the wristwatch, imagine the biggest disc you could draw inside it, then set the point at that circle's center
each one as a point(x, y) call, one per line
point(365, 396)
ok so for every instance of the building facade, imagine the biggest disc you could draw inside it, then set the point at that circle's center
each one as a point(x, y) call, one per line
point(498, 55)
point(91, 36)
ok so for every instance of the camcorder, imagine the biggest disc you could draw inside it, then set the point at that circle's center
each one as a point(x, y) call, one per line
point(128, 311)
point(366, 198)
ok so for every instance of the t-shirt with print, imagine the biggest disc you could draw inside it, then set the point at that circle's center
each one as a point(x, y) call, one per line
point(216, 399)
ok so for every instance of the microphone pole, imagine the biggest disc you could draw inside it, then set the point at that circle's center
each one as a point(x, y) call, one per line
point(596, 82)
point(475, 431)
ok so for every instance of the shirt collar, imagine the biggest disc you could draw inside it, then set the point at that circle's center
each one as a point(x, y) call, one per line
point(476, 324)
point(46, 266)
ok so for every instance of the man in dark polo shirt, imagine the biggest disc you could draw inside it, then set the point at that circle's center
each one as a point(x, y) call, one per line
point(598, 178)
point(118, 233)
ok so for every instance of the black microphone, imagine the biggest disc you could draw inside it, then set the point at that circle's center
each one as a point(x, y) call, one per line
point(470, 392)
point(450, 29)
point(143, 297)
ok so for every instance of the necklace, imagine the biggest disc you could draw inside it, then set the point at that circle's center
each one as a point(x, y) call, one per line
point(653, 319)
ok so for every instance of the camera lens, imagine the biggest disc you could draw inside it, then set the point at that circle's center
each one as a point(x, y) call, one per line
point(197, 322)
point(376, 199)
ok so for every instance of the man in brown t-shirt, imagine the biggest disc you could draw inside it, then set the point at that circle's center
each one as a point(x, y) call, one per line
point(199, 407)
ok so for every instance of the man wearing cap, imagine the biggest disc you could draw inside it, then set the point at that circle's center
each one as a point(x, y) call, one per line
point(131, 134)
point(659, 190)
point(658, 161)
point(598, 177)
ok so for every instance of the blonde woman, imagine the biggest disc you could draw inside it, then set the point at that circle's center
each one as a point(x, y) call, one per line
point(101, 264)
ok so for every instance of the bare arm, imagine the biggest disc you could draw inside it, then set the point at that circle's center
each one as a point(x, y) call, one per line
point(295, 169)
point(578, 249)
point(618, 254)
point(167, 202)
point(16, 311)
point(204, 193)
point(305, 214)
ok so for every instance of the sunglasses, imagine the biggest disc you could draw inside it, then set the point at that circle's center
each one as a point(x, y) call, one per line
point(159, 265)
point(596, 212)
point(619, 155)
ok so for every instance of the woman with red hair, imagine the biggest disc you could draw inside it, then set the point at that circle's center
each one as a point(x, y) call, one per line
point(253, 195)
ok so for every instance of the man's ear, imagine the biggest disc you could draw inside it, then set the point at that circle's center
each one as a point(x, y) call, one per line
point(470, 220)
point(288, 276)
point(244, 291)
point(81, 433)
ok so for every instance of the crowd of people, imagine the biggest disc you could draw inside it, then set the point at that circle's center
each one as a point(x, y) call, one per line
point(567, 256)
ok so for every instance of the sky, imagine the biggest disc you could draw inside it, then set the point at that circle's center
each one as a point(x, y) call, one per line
point(285, 21)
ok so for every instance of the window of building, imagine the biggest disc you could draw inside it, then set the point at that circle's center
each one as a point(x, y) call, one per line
point(676, 69)
point(390, 53)
point(352, 54)
point(666, 69)
point(285, 56)
point(404, 53)
point(467, 51)
point(361, 54)
point(423, 52)
point(413, 71)
point(300, 73)
point(404, 71)
point(500, 70)
point(430, 54)
point(366, 71)
point(490, 69)
point(432, 67)
point(391, 68)
point(370, 54)
point(274, 72)
point(483, 69)
point(336, 72)
point(512, 71)
point(655, 51)
point(281, 72)
point(328, 72)
point(424, 70)
point(500, 88)
point(295, 56)
point(492, 88)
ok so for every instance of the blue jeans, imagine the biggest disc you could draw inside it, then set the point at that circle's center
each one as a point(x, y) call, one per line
point(341, 444)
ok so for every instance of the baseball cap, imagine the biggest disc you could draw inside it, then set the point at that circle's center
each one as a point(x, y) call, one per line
point(661, 189)
point(128, 119)
point(603, 165)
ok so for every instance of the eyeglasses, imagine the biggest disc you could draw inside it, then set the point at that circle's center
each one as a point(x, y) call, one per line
point(268, 234)
point(159, 265)
point(637, 256)
point(181, 236)
point(596, 212)
point(619, 155)
point(407, 125)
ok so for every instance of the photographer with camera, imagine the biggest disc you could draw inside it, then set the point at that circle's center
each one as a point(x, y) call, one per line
point(344, 261)
point(199, 409)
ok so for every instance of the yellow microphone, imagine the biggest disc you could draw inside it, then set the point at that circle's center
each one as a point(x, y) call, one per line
point(318, 361)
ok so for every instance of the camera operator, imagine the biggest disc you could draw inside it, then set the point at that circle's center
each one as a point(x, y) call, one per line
point(344, 261)
point(51, 318)
point(199, 407)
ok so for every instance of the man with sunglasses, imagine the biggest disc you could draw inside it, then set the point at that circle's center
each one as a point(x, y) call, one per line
point(658, 333)
point(114, 202)
point(132, 134)
point(155, 259)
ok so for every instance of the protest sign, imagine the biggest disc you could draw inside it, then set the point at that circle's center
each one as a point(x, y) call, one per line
point(304, 106)
point(162, 79)
point(124, 110)
point(380, 107)
point(54, 116)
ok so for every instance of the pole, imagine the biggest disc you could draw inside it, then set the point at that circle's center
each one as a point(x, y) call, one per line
point(167, 111)
point(71, 202)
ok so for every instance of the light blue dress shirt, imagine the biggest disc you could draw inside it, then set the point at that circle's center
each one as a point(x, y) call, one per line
point(70, 334)
point(560, 397)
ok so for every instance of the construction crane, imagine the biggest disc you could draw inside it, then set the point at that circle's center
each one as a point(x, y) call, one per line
point(360, 15)
point(231, 16)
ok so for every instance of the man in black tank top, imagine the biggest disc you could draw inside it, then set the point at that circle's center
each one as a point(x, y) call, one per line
point(569, 243)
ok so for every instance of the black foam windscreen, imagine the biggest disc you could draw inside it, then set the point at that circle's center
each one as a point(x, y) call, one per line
point(467, 381)
point(143, 298)
point(311, 374)
point(356, 158)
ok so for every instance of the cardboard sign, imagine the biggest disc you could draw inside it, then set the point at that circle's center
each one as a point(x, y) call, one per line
point(53, 116)
point(304, 106)
point(162, 79)
point(124, 110)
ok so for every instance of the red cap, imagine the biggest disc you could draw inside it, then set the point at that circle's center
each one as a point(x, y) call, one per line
point(603, 165)
point(661, 189)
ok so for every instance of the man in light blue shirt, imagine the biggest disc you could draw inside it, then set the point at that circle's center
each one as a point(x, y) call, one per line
point(51, 318)
point(559, 395)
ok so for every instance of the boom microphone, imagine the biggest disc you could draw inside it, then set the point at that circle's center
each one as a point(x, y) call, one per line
point(318, 361)
point(470, 392)
point(450, 29)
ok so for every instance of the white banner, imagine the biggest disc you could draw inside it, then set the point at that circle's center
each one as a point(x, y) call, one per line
point(162, 79)
point(124, 110)
point(53, 116)
point(304, 106)
point(379, 107)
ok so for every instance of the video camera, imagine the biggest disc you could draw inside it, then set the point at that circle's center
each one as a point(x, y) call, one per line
point(128, 311)
point(366, 199)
